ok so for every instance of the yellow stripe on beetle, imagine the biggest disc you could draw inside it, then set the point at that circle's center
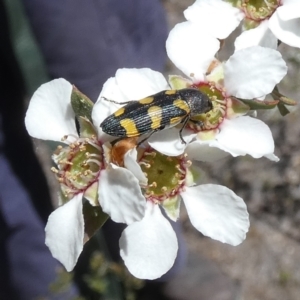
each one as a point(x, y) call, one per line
point(182, 104)
point(170, 92)
point(119, 112)
point(155, 113)
point(147, 100)
point(130, 128)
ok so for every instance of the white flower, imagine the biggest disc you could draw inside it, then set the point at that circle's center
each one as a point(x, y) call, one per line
point(218, 18)
point(149, 247)
point(82, 172)
point(249, 73)
point(265, 21)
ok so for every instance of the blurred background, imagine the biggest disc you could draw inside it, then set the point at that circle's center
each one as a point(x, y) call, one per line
point(266, 265)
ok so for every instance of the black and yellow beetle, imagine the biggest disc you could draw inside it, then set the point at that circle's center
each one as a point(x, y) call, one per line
point(157, 112)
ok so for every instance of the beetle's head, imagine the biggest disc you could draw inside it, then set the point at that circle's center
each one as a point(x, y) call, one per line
point(199, 102)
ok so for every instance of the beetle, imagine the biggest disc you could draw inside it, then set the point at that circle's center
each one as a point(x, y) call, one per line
point(156, 112)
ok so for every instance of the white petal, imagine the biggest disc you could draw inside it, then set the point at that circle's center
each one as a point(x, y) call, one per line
point(217, 17)
point(285, 24)
point(253, 72)
point(149, 247)
point(65, 232)
point(120, 195)
point(203, 151)
point(130, 163)
point(289, 10)
point(168, 141)
point(50, 115)
point(104, 108)
point(111, 91)
point(140, 83)
point(272, 157)
point(261, 36)
point(191, 49)
point(217, 212)
point(245, 135)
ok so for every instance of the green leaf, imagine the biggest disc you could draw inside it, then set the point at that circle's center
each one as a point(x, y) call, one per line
point(94, 218)
point(257, 104)
point(282, 109)
point(81, 104)
point(283, 99)
point(87, 129)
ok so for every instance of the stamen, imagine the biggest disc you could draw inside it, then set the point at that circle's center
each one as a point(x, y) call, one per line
point(153, 184)
point(94, 155)
point(188, 163)
point(178, 167)
point(82, 148)
point(98, 163)
point(153, 154)
point(164, 189)
point(54, 170)
point(95, 145)
point(177, 175)
point(147, 165)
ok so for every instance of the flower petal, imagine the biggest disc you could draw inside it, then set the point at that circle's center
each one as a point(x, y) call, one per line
point(285, 24)
point(272, 157)
point(130, 163)
point(111, 91)
point(103, 108)
point(217, 17)
point(50, 115)
point(65, 232)
point(171, 207)
point(168, 141)
point(140, 83)
point(149, 247)
point(191, 49)
point(203, 151)
point(245, 135)
point(120, 195)
point(217, 212)
point(260, 36)
point(253, 72)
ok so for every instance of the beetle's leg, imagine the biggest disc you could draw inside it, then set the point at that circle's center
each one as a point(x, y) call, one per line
point(186, 119)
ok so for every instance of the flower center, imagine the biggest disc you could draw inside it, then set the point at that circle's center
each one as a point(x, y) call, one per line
point(166, 175)
point(259, 10)
point(214, 117)
point(78, 164)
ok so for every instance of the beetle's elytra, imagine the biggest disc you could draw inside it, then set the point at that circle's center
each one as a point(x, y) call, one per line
point(157, 112)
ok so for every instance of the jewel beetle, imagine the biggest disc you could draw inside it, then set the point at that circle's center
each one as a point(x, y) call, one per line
point(156, 112)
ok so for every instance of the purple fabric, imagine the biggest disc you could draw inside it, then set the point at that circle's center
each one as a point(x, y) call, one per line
point(85, 42)
point(27, 267)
